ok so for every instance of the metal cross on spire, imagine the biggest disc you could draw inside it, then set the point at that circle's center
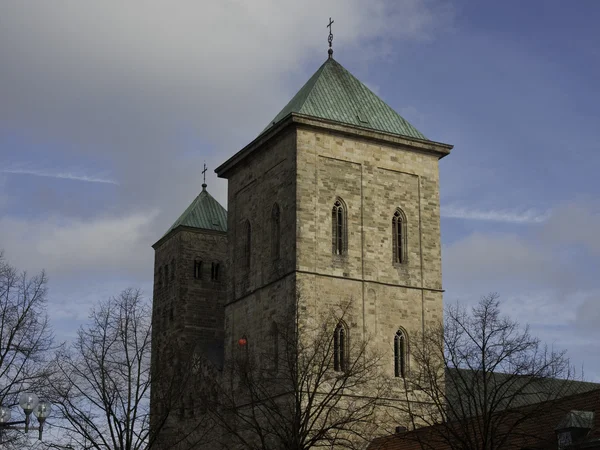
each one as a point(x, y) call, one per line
point(204, 174)
point(330, 38)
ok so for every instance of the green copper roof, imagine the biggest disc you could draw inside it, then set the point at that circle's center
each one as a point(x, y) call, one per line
point(204, 212)
point(333, 93)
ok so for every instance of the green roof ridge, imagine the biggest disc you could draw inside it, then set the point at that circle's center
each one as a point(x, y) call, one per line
point(204, 212)
point(333, 93)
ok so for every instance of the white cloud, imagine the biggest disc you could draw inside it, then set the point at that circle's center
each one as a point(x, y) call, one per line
point(529, 216)
point(61, 175)
point(63, 245)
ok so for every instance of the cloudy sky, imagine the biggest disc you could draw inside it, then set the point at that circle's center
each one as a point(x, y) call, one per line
point(108, 110)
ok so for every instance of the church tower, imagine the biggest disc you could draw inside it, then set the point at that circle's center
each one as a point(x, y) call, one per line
point(335, 202)
point(333, 207)
point(188, 315)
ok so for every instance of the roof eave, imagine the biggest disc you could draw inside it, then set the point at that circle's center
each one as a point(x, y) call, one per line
point(422, 145)
point(260, 140)
point(179, 228)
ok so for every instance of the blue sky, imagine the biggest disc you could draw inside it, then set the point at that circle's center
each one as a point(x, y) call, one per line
point(108, 111)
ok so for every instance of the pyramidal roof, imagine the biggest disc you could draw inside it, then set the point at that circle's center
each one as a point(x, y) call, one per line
point(333, 93)
point(204, 212)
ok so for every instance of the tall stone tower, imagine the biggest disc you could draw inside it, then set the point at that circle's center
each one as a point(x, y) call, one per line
point(190, 270)
point(335, 204)
point(336, 201)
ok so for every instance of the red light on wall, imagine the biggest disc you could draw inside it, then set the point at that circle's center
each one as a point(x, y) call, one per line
point(242, 341)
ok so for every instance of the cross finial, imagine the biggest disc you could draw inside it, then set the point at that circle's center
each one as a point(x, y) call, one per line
point(204, 174)
point(330, 38)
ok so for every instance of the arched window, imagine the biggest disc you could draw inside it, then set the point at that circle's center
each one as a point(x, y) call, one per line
point(399, 236)
point(275, 344)
point(248, 244)
point(275, 231)
point(340, 348)
point(339, 234)
point(400, 354)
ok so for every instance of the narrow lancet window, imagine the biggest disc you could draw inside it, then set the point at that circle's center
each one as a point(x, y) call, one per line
point(340, 348)
point(275, 344)
point(275, 232)
point(338, 228)
point(400, 354)
point(198, 269)
point(214, 272)
point(399, 236)
point(248, 244)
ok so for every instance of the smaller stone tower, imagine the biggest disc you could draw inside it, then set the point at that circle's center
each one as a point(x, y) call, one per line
point(188, 313)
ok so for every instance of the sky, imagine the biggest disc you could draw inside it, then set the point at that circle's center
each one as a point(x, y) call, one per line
point(109, 109)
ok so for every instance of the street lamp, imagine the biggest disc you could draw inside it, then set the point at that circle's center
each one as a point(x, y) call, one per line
point(30, 404)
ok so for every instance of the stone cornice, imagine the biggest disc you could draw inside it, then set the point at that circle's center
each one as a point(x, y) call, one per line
point(301, 121)
point(186, 228)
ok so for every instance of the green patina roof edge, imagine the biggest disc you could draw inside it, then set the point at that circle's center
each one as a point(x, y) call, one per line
point(355, 95)
point(203, 213)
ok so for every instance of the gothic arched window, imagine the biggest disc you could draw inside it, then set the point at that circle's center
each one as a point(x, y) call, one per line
point(340, 348)
point(399, 236)
point(339, 234)
point(275, 231)
point(400, 354)
point(248, 244)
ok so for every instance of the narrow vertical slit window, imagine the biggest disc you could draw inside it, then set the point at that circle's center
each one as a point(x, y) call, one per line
point(198, 269)
point(338, 228)
point(399, 237)
point(275, 232)
point(340, 348)
point(248, 244)
point(173, 269)
point(275, 344)
point(214, 272)
point(160, 277)
point(400, 354)
point(166, 274)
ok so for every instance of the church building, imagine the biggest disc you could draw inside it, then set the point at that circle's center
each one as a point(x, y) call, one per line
point(336, 201)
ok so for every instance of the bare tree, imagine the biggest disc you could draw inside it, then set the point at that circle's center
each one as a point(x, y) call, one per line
point(481, 378)
point(309, 387)
point(26, 339)
point(103, 381)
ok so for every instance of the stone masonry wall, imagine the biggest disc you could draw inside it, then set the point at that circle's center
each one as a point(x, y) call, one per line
point(373, 179)
point(188, 322)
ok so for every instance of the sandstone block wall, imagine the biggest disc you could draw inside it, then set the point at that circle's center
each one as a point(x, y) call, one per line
point(373, 179)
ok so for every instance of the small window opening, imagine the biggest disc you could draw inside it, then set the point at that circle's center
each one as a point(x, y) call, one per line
point(275, 232)
point(399, 237)
point(214, 273)
point(166, 274)
point(400, 354)
point(340, 345)
point(248, 244)
point(338, 228)
point(198, 269)
point(275, 344)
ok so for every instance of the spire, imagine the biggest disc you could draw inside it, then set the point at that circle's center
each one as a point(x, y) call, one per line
point(330, 38)
point(204, 175)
